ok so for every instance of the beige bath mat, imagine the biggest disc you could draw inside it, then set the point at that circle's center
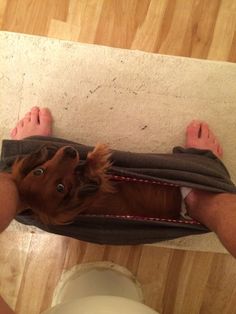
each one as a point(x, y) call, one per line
point(132, 100)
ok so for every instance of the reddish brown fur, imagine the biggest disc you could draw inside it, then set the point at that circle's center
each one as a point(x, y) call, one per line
point(116, 198)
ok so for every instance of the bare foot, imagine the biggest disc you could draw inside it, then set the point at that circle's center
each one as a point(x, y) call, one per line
point(198, 135)
point(38, 121)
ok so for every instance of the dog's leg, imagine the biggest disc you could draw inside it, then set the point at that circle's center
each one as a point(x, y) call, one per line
point(96, 167)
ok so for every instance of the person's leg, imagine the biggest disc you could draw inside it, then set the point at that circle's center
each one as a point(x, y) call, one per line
point(36, 122)
point(217, 211)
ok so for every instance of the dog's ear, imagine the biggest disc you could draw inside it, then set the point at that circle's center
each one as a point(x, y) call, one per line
point(93, 172)
point(23, 165)
point(87, 184)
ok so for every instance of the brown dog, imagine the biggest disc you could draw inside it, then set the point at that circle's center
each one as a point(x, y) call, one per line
point(58, 188)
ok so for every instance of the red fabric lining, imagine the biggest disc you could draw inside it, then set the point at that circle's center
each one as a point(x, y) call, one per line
point(131, 179)
point(189, 222)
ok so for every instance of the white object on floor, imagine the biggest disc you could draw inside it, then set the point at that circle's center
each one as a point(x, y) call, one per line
point(98, 288)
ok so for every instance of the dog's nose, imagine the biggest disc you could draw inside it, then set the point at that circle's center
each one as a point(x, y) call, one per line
point(70, 152)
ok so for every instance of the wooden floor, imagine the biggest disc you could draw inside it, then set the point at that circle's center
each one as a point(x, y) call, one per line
point(174, 281)
point(193, 28)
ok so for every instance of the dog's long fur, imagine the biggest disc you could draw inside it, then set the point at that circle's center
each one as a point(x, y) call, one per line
point(42, 176)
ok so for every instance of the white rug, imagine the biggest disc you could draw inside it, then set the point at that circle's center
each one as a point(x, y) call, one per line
point(132, 100)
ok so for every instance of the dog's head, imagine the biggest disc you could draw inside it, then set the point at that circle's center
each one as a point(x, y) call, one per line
point(55, 184)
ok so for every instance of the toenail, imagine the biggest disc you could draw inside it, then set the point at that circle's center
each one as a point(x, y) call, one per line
point(35, 108)
point(45, 110)
point(195, 126)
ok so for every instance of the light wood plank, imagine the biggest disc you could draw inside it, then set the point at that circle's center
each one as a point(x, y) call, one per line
point(173, 281)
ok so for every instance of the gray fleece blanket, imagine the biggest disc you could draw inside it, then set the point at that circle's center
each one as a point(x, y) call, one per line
point(190, 167)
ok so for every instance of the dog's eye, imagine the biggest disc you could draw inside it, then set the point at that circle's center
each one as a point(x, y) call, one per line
point(60, 188)
point(38, 171)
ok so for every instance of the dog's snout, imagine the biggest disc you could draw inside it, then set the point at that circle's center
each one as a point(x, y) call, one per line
point(70, 152)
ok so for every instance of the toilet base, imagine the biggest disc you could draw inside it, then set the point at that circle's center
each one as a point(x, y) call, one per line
point(98, 288)
point(100, 278)
point(101, 305)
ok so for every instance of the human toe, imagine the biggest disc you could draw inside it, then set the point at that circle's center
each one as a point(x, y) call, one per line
point(27, 117)
point(45, 121)
point(13, 132)
point(45, 112)
point(193, 129)
point(20, 124)
point(45, 116)
point(34, 114)
point(204, 130)
point(220, 151)
point(211, 136)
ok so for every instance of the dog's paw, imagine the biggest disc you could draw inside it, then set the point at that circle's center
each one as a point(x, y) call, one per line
point(99, 158)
